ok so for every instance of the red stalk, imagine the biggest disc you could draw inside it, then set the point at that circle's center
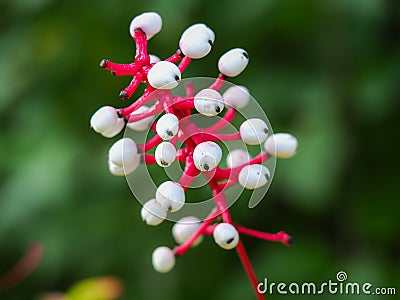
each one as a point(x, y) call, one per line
point(153, 142)
point(184, 63)
point(219, 82)
point(155, 109)
point(181, 249)
point(224, 121)
point(142, 57)
point(281, 236)
point(177, 56)
point(219, 198)
point(149, 95)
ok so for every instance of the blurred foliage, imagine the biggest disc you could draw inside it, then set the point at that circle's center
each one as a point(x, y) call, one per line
point(327, 71)
point(99, 288)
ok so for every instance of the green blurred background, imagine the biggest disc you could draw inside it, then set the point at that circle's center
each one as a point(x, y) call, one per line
point(327, 71)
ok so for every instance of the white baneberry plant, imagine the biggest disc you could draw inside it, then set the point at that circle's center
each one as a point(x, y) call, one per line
point(200, 149)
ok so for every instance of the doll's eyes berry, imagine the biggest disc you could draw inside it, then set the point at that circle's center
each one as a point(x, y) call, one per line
point(178, 138)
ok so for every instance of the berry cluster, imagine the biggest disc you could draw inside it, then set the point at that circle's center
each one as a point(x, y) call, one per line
point(200, 151)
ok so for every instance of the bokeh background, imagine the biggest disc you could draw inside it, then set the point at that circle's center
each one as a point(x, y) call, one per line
point(327, 71)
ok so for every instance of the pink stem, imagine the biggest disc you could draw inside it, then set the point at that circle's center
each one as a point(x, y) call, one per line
point(220, 200)
point(222, 174)
point(131, 88)
point(244, 258)
point(184, 63)
point(153, 142)
point(225, 120)
point(259, 159)
point(148, 96)
point(281, 236)
point(167, 99)
point(228, 136)
point(155, 109)
point(189, 90)
point(231, 173)
point(206, 136)
point(181, 249)
point(219, 82)
point(189, 174)
point(142, 57)
point(227, 184)
point(149, 159)
point(181, 154)
point(120, 69)
point(177, 56)
point(184, 103)
point(210, 229)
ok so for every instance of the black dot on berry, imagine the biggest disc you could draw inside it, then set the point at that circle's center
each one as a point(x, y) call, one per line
point(230, 240)
point(169, 133)
point(217, 109)
point(210, 42)
point(266, 130)
point(180, 53)
point(164, 163)
point(177, 78)
point(169, 208)
point(206, 167)
point(246, 55)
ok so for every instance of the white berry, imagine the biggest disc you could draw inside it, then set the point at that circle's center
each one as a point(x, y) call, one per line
point(233, 62)
point(226, 236)
point(163, 259)
point(236, 96)
point(154, 58)
point(196, 41)
point(164, 75)
point(171, 196)
point(123, 152)
point(254, 176)
point(150, 23)
point(106, 121)
point(119, 125)
point(208, 102)
point(142, 124)
point(165, 154)
point(282, 145)
point(237, 158)
point(253, 131)
point(167, 126)
point(207, 156)
point(152, 213)
point(126, 169)
point(185, 228)
point(203, 27)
